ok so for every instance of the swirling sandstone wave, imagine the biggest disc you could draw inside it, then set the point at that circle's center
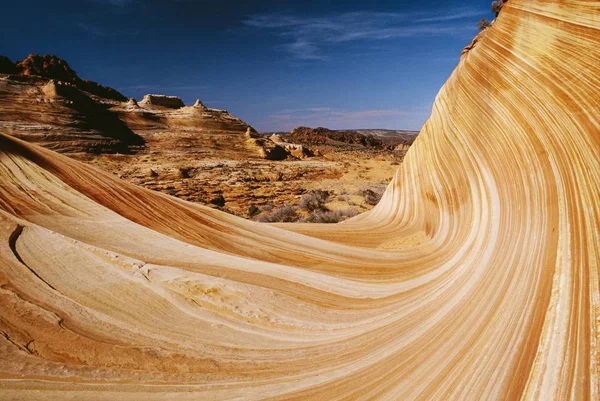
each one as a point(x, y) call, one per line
point(475, 278)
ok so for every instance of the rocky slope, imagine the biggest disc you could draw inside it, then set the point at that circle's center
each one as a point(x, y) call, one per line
point(52, 67)
point(193, 152)
point(43, 100)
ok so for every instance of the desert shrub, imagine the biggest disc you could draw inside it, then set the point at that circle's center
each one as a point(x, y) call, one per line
point(330, 216)
point(284, 214)
point(253, 211)
point(185, 172)
point(343, 198)
point(371, 197)
point(497, 6)
point(483, 24)
point(218, 201)
point(314, 200)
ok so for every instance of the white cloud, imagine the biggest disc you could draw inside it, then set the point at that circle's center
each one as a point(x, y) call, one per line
point(452, 16)
point(307, 37)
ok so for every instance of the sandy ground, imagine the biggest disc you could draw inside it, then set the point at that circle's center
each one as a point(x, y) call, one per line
point(244, 181)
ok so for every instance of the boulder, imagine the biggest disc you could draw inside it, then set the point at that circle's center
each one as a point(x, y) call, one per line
point(296, 150)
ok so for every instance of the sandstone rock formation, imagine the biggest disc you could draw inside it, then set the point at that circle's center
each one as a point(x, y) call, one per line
point(42, 100)
point(198, 104)
point(211, 146)
point(52, 67)
point(475, 278)
point(170, 102)
point(47, 66)
point(296, 150)
point(264, 146)
point(402, 148)
point(61, 116)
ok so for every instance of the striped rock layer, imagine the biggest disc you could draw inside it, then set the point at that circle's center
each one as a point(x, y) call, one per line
point(475, 278)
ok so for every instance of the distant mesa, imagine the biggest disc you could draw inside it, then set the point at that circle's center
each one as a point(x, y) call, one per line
point(322, 135)
point(167, 102)
point(170, 102)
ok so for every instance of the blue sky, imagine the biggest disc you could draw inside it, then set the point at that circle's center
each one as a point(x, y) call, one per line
point(276, 64)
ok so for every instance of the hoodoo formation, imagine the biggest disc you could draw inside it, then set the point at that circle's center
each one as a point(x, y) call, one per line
point(475, 278)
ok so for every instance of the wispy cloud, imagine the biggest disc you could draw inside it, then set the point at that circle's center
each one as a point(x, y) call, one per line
point(304, 50)
point(452, 16)
point(307, 37)
point(340, 119)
